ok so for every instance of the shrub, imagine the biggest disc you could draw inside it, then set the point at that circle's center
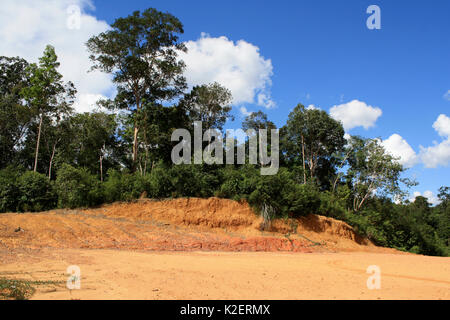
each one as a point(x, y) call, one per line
point(113, 186)
point(159, 183)
point(331, 205)
point(36, 192)
point(77, 188)
point(191, 181)
point(238, 183)
point(303, 199)
point(9, 191)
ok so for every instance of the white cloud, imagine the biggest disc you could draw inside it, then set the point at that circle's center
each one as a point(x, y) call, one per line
point(312, 107)
point(87, 102)
point(442, 126)
point(434, 200)
point(447, 95)
point(237, 66)
point(356, 114)
point(398, 147)
point(439, 153)
point(245, 112)
point(27, 26)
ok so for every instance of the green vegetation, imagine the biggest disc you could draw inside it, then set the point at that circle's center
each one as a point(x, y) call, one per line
point(19, 289)
point(15, 289)
point(52, 157)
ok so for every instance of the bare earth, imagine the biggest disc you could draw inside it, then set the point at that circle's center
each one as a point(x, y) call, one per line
point(206, 249)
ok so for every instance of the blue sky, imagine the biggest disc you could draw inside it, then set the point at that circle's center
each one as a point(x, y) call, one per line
point(312, 52)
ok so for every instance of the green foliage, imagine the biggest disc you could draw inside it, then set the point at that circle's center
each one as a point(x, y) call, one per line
point(372, 169)
point(9, 191)
point(257, 120)
point(126, 186)
point(209, 104)
point(311, 138)
point(191, 181)
point(76, 187)
point(15, 289)
point(284, 195)
point(25, 191)
point(140, 51)
point(15, 117)
point(36, 192)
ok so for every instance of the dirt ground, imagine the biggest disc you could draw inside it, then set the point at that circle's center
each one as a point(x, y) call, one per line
point(206, 249)
point(123, 274)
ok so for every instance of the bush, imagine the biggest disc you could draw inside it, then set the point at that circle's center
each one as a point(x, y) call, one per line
point(191, 181)
point(159, 183)
point(238, 183)
point(36, 192)
point(9, 191)
point(125, 186)
point(332, 205)
point(113, 186)
point(303, 199)
point(77, 188)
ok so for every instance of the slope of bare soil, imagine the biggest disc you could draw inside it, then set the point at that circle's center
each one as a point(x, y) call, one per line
point(181, 224)
point(186, 249)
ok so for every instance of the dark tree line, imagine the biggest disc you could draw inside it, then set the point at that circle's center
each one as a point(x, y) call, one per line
point(51, 156)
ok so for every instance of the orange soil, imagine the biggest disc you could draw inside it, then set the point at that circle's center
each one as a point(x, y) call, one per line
point(309, 258)
point(181, 224)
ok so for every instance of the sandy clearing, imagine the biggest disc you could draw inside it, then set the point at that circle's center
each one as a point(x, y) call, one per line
point(206, 249)
point(121, 274)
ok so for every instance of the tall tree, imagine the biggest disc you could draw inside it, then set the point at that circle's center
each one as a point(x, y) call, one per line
point(257, 120)
point(372, 170)
point(140, 51)
point(47, 94)
point(15, 116)
point(209, 104)
point(94, 141)
point(310, 137)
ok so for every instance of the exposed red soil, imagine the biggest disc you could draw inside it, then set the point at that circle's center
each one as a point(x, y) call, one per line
point(171, 250)
point(176, 225)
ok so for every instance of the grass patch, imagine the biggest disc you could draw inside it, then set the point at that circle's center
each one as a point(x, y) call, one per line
point(18, 289)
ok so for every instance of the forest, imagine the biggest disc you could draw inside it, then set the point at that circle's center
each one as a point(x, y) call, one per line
point(53, 157)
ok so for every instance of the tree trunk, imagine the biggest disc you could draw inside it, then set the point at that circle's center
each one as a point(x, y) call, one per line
point(101, 168)
point(335, 182)
point(136, 131)
point(311, 166)
point(135, 144)
point(51, 161)
point(37, 144)
point(304, 166)
point(101, 162)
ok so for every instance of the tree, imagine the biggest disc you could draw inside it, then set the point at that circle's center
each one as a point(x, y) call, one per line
point(47, 95)
point(444, 196)
point(257, 120)
point(140, 51)
point(443, 214)
point(209, 104)
point(310, 137)
point(157, 124)
point(56, 134)
point(15, 116)
point(372, 170)
point(94, 142)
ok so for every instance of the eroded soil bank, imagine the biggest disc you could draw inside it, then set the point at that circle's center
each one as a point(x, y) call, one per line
point(205, 249)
